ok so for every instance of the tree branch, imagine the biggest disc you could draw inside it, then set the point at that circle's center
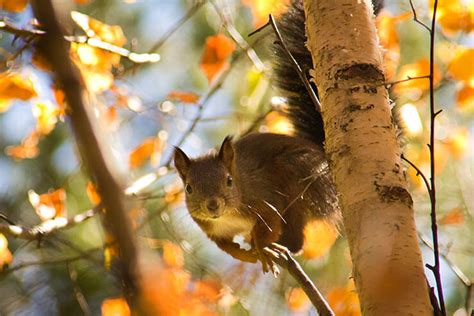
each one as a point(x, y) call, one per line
point(283, 258)
point(47, 227)
point(96, 42)
point(55, 49)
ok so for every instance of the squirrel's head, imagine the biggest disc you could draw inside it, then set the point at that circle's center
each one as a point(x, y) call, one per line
point(209, 182)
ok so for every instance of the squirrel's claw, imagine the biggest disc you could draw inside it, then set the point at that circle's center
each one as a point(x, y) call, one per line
point(265, 257)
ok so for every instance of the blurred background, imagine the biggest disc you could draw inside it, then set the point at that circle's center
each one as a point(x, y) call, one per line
point(204, 79)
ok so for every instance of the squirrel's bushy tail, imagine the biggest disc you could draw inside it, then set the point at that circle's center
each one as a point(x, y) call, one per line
point(302, 112)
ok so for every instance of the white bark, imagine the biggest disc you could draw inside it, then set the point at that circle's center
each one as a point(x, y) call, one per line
point(365, 159)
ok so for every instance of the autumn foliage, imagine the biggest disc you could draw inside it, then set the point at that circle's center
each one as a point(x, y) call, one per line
point(146, 102)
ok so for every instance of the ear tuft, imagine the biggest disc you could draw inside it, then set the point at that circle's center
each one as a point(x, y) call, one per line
point(227, 154)
point(181, 162)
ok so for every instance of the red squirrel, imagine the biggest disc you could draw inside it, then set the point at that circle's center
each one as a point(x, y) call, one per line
point(266, 187)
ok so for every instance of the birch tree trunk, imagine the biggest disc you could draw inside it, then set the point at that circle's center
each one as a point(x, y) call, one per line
point(364, 156)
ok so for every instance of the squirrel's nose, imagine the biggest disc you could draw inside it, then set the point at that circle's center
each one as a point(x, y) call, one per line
point(212, 205)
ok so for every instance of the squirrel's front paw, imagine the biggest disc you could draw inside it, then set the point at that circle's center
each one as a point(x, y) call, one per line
point(265, 256)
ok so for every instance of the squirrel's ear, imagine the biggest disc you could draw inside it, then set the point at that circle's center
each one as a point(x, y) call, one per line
point(181, 162)
point(226, 153)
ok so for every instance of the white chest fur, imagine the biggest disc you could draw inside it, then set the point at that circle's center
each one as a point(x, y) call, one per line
point(230, 225)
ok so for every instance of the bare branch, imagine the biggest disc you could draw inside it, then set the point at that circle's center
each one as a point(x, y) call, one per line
point(284, 259)
point(391, 83)
point(55, 49)
point(96, 42)
point(415, 17)
point(46, 227)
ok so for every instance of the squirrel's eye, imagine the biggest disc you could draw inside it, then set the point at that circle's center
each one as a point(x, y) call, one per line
point(229, 181)
point(188, 188)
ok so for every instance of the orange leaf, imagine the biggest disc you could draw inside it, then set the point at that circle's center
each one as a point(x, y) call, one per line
point(115, 307)
point(344, 300)
point(82, 1)
point(92, 193)
point(150, 148)
point(214, 57)
point(462, 65)
point(297, 300)
point(185, 97)
point(207, 290)
point(453, 217)
point(319, 237)
point(454, 16)
point(172, 255)
point(49, 205)
point(12, 86)
point(141, 153)
point(14, 6)
point(5, 255)
point(27, 149)
point(418, 69)
point(465, 98)
point(173, 192)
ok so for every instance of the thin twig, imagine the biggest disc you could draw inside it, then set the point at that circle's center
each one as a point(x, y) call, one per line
point(419, 173)
point(296, 66)
point(169, 33)
point(96, 42)
point(80, 298)
point(284, 259)
point(238, 39)
point(415, 17)
point(47, 227)
point(456, 270)
point(391, 83)
point(201, 104)
point(24, 265)
point(434, 227)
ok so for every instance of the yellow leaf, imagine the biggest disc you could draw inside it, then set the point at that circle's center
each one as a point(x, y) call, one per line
point(278, 123)
point(115, 307)
point(262, 8)
point(12, 86)
point(462, 65)
point(297, 300)
point(319, 237)
point(172, 255)
point(418, 69)
point(49, 205)
point(46, 117)
point(454, 16)
point(5, 255)
point(214, 57)
point(458, 142)
point(344, 300)
point(389, 39)
point(95, 28)
point(14, 6)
